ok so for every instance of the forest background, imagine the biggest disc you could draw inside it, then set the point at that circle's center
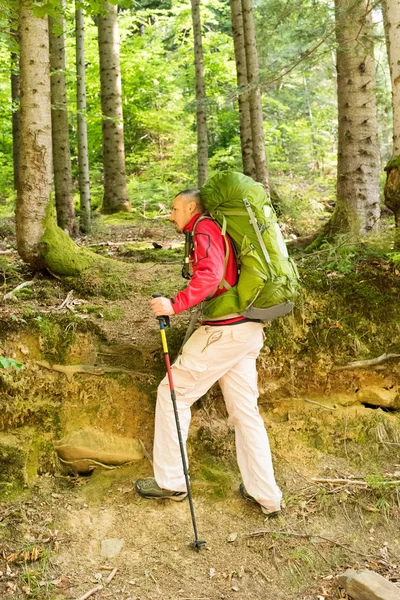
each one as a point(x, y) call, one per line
point(296, 46)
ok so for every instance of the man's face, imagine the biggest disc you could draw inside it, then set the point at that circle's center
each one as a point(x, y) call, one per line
point(183, 210)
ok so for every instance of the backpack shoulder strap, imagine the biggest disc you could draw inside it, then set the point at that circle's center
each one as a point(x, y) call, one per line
point(224, 283)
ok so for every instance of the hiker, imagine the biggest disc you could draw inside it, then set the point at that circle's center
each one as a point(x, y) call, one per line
point(223, 350)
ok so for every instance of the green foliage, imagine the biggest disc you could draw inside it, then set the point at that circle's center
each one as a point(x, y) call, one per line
point(295, 45)
point(6, 363)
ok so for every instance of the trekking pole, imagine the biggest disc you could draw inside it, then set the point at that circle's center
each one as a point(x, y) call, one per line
point(164, 322)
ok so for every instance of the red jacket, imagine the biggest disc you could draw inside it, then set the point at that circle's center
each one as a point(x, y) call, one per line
point(207, 261)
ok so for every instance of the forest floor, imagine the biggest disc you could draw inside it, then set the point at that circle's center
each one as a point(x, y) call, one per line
point(65, 536)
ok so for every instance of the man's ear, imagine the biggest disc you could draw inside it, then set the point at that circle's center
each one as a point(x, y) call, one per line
point(192, 206)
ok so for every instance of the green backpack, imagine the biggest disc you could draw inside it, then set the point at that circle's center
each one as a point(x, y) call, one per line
point(268, 278)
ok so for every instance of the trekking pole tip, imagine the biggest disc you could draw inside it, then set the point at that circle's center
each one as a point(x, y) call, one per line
point(197, 544)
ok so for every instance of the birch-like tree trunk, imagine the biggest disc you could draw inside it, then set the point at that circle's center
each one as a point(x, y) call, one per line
point(357, 208)
point(41, 243)
point(15, 94)
point(83, 154)
point(253, 76)
point(115, 192)
point(201, 113)
point(391, 17)
point(35, 145)
point(59, 120)
point(246, 138)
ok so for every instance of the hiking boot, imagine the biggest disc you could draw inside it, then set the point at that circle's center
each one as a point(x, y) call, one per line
point(246, 496)
point(149, 488)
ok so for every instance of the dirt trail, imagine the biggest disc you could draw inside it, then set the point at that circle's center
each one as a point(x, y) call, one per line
point(68, 519)
point(51, 538)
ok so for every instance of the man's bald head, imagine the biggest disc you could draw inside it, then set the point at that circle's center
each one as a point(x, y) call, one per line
point(185, 205)
point(192, 195)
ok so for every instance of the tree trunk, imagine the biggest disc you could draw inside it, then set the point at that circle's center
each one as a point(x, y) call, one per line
point(83, 154)
point(391, 17)
point(246, 139)
point(253, 76)
point(40, 242)
point(15, 94)
point(36, 152)
point(201, 114)
point(115, 192)
point(59, 121)
point(357, 208)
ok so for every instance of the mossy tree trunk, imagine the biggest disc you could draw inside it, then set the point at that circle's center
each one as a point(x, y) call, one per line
point(201, 113)
point(15, 94)
point(391, 14)
point(83, 154)
point(357, 208)
point(35, 145)
point(253, 77)
point(115, 192)
point(41, 243)
point(59, 121)
point(246, 138)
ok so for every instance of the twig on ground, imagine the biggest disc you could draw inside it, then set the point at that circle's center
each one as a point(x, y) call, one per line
point(146, 452)
point(391, 443)
point(2, 252)
point(267, 579)
point(346, 481)
point(111, 575)
point(65, 303)
point(357, 482)
point(153, 578)
point(274, 558)
point(362, 364)
point(260, 532)
point(10, 295)
point(319, 404)
point(98, 588)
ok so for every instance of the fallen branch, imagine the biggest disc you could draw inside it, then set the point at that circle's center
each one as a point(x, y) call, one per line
point(364, 364)
point(319, 404)
point(260, 532)
point(70, 370)
point(2, 252)
point(346, 481)
point(98, 588)
point(357, 482)
point(10, 295)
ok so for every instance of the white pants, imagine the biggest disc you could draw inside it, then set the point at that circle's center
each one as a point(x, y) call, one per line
point(226, 354)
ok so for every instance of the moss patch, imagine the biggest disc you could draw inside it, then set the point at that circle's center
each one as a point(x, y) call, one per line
point(12, 466)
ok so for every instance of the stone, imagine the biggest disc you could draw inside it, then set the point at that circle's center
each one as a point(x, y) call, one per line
point(111, 547)
point(368, 585)
point(378, 396)
point(86, 449)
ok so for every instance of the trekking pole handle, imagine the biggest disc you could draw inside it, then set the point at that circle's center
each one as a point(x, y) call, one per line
point(164, 320)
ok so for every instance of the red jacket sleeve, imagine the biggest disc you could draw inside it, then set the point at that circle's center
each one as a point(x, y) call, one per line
point(208, 266)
